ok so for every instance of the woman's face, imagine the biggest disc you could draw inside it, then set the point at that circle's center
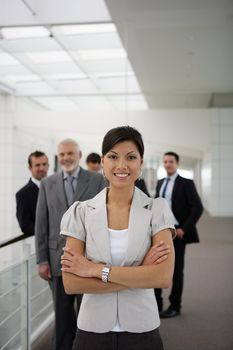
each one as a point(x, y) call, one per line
point(122, 164)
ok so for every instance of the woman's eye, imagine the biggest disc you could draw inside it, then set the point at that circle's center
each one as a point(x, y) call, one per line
point(132, 157)
point(112, 156)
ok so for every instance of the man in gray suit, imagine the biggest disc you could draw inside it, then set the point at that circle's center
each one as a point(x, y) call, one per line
point(57, 193)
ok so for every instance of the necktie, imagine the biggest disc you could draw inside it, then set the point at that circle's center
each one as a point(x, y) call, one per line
point(69, 189)
point(165, 187)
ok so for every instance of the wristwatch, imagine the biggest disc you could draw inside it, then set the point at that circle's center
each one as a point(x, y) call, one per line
point(105, 273)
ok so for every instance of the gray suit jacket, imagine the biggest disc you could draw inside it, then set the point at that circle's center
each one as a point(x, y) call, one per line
point(51, 206)
point(136, 309)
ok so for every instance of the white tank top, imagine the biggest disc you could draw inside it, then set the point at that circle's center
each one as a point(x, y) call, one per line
point(118, 249)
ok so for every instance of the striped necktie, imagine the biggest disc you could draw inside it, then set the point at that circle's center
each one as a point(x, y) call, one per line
point(69, 189)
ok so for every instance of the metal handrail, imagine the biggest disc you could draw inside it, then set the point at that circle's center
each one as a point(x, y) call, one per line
point(14, 240)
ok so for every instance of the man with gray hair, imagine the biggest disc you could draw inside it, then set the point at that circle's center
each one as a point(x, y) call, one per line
point(57, 193)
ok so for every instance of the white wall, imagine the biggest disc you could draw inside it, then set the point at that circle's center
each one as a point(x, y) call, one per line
point(218, 165)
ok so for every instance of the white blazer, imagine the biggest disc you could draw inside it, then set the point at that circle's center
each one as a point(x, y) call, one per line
point(136, 309)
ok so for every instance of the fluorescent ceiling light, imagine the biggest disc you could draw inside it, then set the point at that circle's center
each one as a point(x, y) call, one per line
point(88, 28)
point(49, 56)
point(23, 78)
point(102, 54)
point(24, 32)
point(8, 60)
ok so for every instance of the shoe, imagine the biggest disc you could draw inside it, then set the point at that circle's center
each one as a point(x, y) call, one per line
point(169, 313)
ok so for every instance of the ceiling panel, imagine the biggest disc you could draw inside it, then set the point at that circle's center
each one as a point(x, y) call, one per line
point(107, 66)
point(93, 103)
point(82, 86)
point(119, 85)
point(13, 70)
point(34, 88)
point(58, 104)
point(91, 41)
point(181, 52)
point(53, 11)
point(58, 68)
point(32, 44)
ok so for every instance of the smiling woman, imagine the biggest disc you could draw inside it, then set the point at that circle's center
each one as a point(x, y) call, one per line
point(119, 247)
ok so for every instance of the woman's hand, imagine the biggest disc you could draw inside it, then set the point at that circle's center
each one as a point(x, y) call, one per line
point(157, 254)
point(77, 264)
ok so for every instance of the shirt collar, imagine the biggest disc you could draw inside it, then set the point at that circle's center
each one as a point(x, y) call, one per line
point(35, 181)
point(173, 177)
point(75, 174)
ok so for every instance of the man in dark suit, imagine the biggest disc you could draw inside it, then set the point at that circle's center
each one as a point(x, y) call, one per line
point(57, 193)
point(140, 183)
point(26, 197)
point(187, 208)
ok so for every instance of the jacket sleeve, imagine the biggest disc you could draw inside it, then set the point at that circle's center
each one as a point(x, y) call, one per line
point(194, 204)
point(72, 223)
point(162, 217)
point(23, 214)
point(42, 226)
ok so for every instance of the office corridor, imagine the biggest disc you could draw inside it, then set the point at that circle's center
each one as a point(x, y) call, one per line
point(206, 321)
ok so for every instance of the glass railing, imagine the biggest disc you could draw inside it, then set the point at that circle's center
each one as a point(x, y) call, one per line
point(26, 307)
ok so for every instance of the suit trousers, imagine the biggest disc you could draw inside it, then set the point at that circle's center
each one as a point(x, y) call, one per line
point(178, 278)
point(66, 308)
point(118, 341)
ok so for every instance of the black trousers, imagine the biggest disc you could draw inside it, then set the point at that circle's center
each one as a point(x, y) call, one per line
point(178, 278)
point(118, 341)
point(66, 308)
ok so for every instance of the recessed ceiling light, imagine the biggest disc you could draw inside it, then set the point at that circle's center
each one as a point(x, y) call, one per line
point(24, 32)
point(102, 54)
point(88, 28)
point(8, 60)
point(48, 56)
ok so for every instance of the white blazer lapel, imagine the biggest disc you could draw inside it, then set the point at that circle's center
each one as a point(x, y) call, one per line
point(98, 226)
point(139, 223)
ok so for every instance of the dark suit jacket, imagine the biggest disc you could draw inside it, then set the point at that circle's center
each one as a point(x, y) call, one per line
point(140, 183)
point(186, 206)
point(26, 199)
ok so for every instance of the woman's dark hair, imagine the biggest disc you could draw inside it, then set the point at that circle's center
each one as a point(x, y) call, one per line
point(121, 134)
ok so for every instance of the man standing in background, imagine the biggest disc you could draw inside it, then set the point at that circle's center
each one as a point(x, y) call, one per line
point(57, 193)
point(187, 208)
point(26, 197)
point(93, 162)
